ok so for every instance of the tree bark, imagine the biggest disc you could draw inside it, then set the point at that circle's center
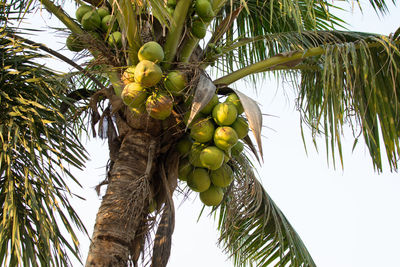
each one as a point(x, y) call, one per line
point(125, 203)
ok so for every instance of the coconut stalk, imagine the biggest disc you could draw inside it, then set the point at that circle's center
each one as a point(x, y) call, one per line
point(174, 36)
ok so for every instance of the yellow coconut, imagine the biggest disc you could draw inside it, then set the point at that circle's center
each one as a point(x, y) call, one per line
point(159, 105)
point(234, 99)
point(224, 114)
point(175, 82)
point(212, 157)
point(202, 130)
point(129, 75)
point(134, 95)
point(147, 73)
point(225, 137)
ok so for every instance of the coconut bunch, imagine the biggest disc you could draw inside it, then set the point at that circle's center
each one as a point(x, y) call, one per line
point(213, 139)
point(99, 23)
point(147, 89)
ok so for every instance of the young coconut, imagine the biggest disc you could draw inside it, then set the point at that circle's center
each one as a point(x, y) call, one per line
point(212, 157)
point(196, 118)
point(184, 169)
point(199, 29)
point(73, 43)
point(204, 10)
point(237, 149)
point(91, 21)
point(115, 39)
point(81, 11)
point(210, 105)
point(147, 73)
point(223, 176)
point(103, 11)
point(134, 95)
point(151, 51)
point(109, 23)
point(184, 145)
point(175, 82)
point(159, 105)
point(194, 154)
point(241, 127)
point(234, 99)
point(225, 137)
point(224, 114)
point(202, 130)
point(212, 196)
point(199, 180)
point(129, 75)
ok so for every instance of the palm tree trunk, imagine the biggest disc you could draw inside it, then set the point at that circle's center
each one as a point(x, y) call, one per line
point(125, 202)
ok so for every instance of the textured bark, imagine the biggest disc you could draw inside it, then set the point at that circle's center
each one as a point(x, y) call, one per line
point(125, 202)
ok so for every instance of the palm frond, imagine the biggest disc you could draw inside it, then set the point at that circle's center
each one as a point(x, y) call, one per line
point(253, 229)
point(38, 144)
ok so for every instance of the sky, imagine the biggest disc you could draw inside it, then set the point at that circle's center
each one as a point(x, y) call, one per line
point(346, 217)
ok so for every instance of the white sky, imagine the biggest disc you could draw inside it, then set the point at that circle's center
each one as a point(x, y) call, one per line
point(346, 218)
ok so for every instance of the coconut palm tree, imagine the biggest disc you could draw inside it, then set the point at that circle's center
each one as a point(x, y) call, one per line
point(341, 78)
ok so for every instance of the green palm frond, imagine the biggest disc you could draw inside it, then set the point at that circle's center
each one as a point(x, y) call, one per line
point(38, 145)
point(253, 229)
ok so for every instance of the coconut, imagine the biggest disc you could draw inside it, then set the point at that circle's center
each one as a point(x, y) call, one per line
point(227, 155)
point(198, 116)
point(184, 169)
point(222, 177)
point(91, 21)
point(207, 109)
point(199, 180)
point(212, 157)
point(151, 51)
point(234, 99)
point(212, 196)
point(225, 137)
point(241, 127)
point(204, 10)
point(199, 29)
point(81, 11)
point(237, 148)
point(115, 39)
point(147, 73)
point(224, 114)
point(175, 82)
point(202, 130)
point(194, 154)
point(159, 105)
point(129, 75)
point(103, 11)
point(134, 95)
point(109, 23)
point(74, 44)
point(184, 145)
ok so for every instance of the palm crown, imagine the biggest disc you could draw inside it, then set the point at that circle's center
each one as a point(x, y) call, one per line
point(146, 72)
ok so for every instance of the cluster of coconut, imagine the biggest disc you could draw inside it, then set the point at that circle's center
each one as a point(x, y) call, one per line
point(147, 89)
point(99, 23)
point(212, 142)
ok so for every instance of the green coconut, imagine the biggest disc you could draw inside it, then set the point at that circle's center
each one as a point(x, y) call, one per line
point(224, 114)
point(234, 99)
point(225, 137)
point(103, 11)
point(210, 105)
point(195, 119)
point(222, 177)
point(204, 10)
point(184, 169)
point(73, 43)
point(237, 148)
point(184, 145)
point(134, 95)
point(194, 154)
point(159, 105)
point(109, 23)
point(81, 11)
point(175, 82)
point(202, 130)
point(91, 21)
point(241, 127)
point(212, 157)
point(199, 180)
point(199, 29)
point(151, 51)
point(115, 39)
point(212, 196)
point(129, 75)
point(147, 73)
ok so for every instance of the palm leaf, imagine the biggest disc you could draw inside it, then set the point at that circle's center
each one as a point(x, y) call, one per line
point(253, 229)
point(38, 144)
